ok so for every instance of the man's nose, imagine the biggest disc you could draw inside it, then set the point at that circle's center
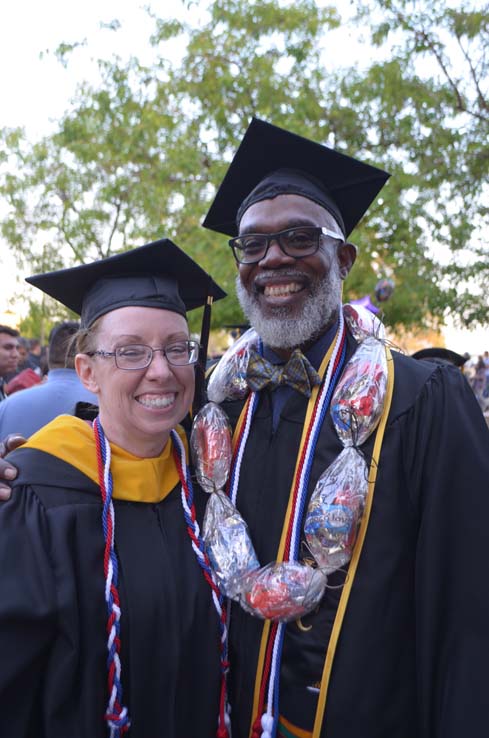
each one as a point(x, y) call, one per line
point(275, 256)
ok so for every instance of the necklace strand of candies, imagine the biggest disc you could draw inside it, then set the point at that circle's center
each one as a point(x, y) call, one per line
point(294, 588)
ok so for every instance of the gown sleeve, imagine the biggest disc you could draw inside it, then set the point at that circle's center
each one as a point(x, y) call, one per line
point(27, 611)
point(447, 461)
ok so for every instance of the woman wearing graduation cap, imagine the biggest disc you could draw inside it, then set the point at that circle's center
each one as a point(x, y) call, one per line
point(107, 621)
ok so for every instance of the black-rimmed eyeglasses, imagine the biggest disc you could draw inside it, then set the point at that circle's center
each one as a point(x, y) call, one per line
point(139, 356)
point(296, 242)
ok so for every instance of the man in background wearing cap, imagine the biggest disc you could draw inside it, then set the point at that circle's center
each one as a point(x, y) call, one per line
point(399, 645)
point(440, 355)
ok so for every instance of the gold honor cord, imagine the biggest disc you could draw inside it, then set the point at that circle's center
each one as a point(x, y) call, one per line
point(340, 613)
point(307, 421)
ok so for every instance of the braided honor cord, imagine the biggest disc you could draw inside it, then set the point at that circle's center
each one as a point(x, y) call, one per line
point(198, 546)
point(265, 723)
point(116, 714)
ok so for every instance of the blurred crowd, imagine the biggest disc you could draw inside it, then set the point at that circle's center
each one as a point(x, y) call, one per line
point(38, 383)
point(23, 361)
point(476, 369)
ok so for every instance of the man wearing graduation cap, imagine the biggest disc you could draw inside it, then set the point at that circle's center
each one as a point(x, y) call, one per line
point(398, 645)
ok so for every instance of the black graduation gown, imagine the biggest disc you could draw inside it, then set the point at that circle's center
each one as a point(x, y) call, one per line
point(53, 673)
point(411, 660)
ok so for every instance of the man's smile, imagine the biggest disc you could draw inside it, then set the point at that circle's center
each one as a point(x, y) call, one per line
point(282, 290)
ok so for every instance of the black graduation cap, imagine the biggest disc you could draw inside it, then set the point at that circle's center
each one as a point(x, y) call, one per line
point(158, 274)
point(349, 185)
point(440, 355)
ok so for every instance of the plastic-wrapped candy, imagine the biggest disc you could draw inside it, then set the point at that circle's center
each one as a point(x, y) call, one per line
point(362, 323)
point(228, 380)
point(228, 544)
point(358, 400)
point(211, 447)
point(283, 591)
point(335, 510)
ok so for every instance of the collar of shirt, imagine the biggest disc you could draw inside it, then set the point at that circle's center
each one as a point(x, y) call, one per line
point(315, 354)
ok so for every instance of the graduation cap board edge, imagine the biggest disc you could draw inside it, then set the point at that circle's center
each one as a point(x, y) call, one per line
point(265, 148)
point(72, 286)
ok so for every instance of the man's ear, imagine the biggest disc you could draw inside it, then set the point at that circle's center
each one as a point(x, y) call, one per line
point(347, 253)
point(84, 366)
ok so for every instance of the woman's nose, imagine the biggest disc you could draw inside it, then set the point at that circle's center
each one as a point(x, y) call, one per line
point(159, 364)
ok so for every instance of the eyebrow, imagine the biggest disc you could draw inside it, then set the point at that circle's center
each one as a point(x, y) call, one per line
point(293, 223)
point(133, 338)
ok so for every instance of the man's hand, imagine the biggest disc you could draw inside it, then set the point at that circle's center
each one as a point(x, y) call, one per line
point(7, 471)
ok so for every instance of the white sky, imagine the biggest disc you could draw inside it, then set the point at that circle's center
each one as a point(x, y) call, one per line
point(34, 92)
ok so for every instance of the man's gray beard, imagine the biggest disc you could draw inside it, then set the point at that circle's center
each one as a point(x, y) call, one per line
point(279, 330)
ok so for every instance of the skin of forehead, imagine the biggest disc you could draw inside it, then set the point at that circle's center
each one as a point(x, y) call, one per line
point(6, 338)
point(280, 205)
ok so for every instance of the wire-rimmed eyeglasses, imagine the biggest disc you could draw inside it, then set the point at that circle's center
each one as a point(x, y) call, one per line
point(296, 242)
point(139, 356)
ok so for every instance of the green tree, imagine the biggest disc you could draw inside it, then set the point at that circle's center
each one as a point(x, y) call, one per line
point(425, 107)
point(140, 155)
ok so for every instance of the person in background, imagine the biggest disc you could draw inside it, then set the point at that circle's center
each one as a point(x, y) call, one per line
point(23, 380)
point(32, 408)
point(107, 618)
point(34, 356)
point(9, 355)
point(398, 645)
point(23, 352)
point(441, 355)
point(479, 380)
point(23, 349)
point(486, 364)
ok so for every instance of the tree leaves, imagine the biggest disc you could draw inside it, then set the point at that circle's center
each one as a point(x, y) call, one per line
point(139, 155)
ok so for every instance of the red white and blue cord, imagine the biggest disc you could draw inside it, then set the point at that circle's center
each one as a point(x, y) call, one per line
point(292, 548)
point(116, 714)
point(266, 724)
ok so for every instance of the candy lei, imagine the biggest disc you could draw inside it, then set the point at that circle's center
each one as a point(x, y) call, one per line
point(116, 714)
point(335, 508)
point(266, 723)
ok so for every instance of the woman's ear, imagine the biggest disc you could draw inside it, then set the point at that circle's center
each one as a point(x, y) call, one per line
point(84, 366)
point(347, 253)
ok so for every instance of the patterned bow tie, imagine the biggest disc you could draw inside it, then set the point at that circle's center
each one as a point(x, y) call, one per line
point(298, 373)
